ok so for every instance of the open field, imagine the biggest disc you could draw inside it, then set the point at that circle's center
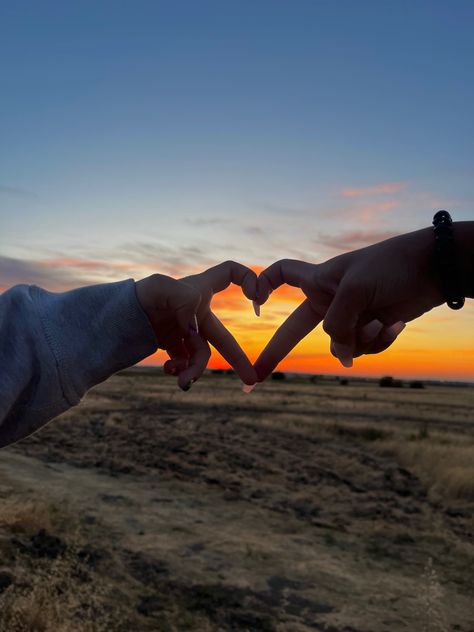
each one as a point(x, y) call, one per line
point(304, 506)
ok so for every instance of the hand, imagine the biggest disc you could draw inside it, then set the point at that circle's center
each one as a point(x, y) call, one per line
point(363, 297)
point(181, 316)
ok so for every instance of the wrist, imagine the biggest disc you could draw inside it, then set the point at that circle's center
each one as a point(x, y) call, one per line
point(144, 290)
point(464, 237)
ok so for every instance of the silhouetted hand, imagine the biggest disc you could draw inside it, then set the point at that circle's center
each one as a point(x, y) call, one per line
point(364, 297)
point(180, 313)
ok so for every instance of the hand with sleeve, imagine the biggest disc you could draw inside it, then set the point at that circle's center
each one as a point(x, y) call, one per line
point(364, 297)
point(184, 323)
point(55, 346)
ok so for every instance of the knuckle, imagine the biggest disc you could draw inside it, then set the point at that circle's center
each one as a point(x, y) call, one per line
point(193, 295)
point(332, 328)
point(229, 263)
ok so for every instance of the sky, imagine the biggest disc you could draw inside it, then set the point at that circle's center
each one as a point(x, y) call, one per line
point(151, 136)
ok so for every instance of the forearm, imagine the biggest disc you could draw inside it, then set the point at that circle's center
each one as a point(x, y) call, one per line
point(54, 347)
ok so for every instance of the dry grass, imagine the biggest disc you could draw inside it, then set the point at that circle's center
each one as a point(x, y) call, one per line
point(50, 594)
point(299, 483)
point(58, 596)
point(20, 515)
point(431, 598)
point(444, 464)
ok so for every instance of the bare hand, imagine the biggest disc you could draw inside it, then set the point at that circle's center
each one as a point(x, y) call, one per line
point(184, 324)
point(363, 297)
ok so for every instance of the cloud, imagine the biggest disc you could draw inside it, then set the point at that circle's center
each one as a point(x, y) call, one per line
point(71, 262)
point(370, 213)
point(206, 221)
point(376, 189)
point(256, 230)
point(354, 239)
point(282, 210)
point(64, 273)
point(16, 271)
point(168, 259)
point(17, 192)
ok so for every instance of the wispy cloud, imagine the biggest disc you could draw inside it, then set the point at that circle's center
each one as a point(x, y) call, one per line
point(376, 189)
point(17, 192)
point(207, 221)
point(71, 262)
point(354, 239)
point(16, 271)
point(370, 214)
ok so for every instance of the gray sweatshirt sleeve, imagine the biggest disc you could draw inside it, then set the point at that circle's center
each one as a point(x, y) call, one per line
point(55, 346)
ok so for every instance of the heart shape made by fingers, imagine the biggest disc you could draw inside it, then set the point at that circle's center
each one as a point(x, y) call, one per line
point(188, 363)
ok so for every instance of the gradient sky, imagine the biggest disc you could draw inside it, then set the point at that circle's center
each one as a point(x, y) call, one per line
point(167, 136)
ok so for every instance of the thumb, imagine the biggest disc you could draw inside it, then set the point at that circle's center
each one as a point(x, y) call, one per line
point(341, 319)
point(159, 295)
point(185, 301)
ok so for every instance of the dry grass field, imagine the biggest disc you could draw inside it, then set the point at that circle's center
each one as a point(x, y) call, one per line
point(304, 506)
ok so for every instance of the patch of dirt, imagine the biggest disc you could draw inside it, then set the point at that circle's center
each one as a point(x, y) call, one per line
point(231, 510)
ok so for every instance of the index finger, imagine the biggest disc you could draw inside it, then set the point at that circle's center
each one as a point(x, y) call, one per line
point(289, 271)
point(228, 347)
point(298, 325)
point(219, 277)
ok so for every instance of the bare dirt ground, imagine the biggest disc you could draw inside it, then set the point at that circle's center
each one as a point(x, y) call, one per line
point(291, 509)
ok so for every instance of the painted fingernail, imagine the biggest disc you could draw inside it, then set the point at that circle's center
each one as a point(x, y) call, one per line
point(248, 388)
point(187, 386)
point(256, 308)
point(398, 327)
point(344, 353)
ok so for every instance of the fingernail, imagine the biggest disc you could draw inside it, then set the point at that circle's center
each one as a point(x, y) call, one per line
point(188, 385)
point(193, 326)
point(256, 308)
point(398, 327)
point(248, 388)
point(371, 331)
point(344, 353)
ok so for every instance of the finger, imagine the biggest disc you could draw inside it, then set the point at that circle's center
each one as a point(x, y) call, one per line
point(221, 276)
point(369, 332)
point(199, 354)
point(298, 325)
point(186, 304)
point(385, 338)
point(161, 294)
point(179, 358)
point(225, 343)
point(342, 318)
point(175, 366)
point(289, 271)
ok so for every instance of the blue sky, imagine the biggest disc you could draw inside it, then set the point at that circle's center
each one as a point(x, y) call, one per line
point(171, 135)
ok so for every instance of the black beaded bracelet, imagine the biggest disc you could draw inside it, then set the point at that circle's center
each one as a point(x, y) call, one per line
point(446, 261)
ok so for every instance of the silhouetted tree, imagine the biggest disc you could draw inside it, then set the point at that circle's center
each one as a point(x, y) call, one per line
point(388, 381)
point(278, 375)
point(417, 384)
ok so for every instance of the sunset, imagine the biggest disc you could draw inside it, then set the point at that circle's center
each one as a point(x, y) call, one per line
point(170, 139)
point(237, 316)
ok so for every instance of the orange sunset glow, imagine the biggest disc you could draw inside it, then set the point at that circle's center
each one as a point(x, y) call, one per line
point(250, 132)
point(439, 345)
